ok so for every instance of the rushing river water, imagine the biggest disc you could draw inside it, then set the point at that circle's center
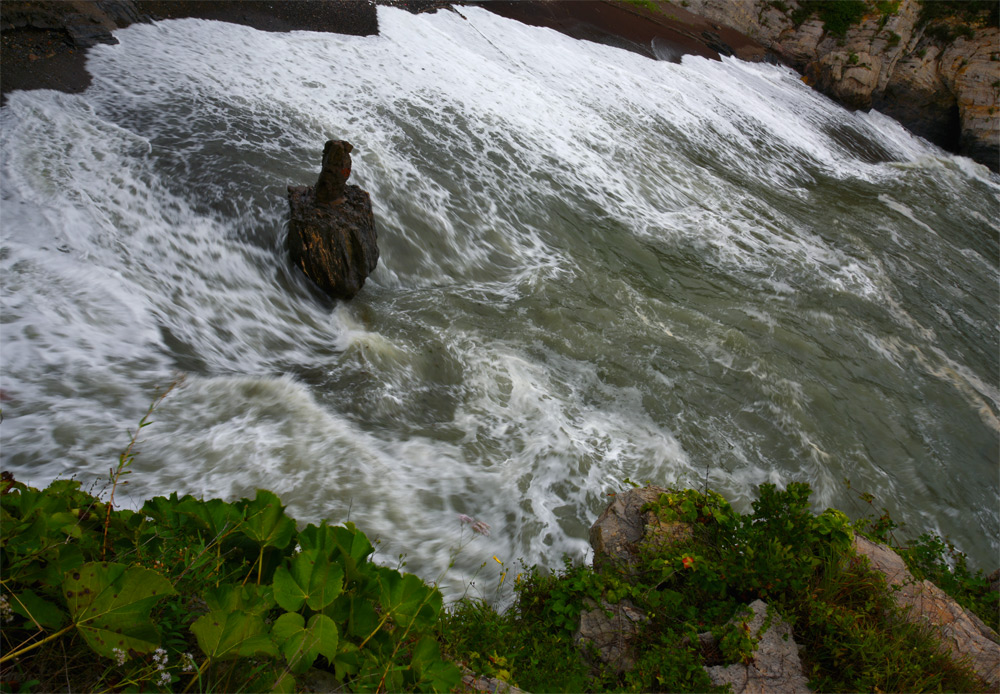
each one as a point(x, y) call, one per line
point(595, 266)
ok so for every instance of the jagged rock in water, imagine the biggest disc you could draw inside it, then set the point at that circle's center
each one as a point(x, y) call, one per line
point(959, 631)
point(775, 666)
point(331, 230)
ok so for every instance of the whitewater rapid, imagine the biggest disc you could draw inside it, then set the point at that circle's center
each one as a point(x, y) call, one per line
point(594, 266)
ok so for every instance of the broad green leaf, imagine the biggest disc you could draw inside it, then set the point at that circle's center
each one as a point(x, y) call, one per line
point(27, 536)
point(431, 672)
point(37, 609)
point(110, 604)
point(301, 643)
point(250, 599)
point(266, 522)
point(356, 611)
point(222, 635)
point(320, 537)
point(312, 580)
point(164, 510)
point(347, 661)
point(408, 599)
point(352, 549)
point(285, 684)
point(218, 516)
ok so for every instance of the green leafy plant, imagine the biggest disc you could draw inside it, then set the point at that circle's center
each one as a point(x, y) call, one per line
point(799, 561)
point(837, 15)
point(237, 583)
point(212, 596)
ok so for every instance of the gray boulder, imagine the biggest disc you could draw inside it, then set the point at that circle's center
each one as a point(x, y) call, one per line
point(618, 534)
point(775, 667)
point(607, 631)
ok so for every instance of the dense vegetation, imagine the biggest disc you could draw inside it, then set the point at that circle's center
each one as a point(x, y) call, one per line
point(202, 595)
point(210, 596)
point(943, 19)
point(216, 596)
point(971, 12)
point(798, 562)
point(837, 15)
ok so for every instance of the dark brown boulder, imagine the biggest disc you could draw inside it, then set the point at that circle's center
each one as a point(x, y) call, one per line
point(335, 172)
point(331, 230)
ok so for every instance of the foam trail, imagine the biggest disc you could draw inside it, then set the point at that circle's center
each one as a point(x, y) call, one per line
point(594, 266)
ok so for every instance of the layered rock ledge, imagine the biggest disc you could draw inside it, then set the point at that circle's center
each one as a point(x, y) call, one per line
point(940, 80)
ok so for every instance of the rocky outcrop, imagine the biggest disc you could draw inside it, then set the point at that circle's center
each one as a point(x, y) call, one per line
point(331, 230)
point(480, 684)
point(960, 632)
point(608, 631)
point(940, 80)
point(618, 533)
point(775, 666)
point(84, 23)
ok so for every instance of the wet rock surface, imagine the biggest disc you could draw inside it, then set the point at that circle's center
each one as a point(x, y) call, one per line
point(331, 229)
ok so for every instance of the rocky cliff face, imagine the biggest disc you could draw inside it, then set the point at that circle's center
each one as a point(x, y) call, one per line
point(941, 79)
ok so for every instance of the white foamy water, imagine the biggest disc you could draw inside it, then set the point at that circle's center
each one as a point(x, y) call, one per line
point(594, 266)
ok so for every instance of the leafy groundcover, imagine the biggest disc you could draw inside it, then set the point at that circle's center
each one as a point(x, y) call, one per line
point(206, 596)
point(215, 596)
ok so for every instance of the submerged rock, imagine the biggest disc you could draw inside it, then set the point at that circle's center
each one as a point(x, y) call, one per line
point(331, 230)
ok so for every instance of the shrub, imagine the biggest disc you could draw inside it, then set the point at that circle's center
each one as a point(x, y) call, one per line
point(800, 562)
point(837, 15)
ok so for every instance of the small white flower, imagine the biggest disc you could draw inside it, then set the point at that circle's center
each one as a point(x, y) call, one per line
point(187, 663)
point(6, 613)
point(120, 656)
point(164, 678)
point(160, 658)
